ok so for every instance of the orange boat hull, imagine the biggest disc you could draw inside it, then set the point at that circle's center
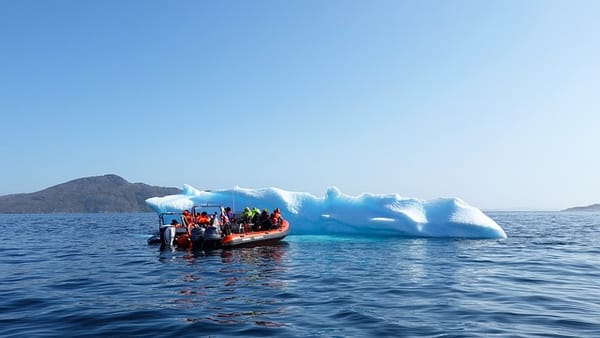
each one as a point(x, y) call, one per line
point(257, 237)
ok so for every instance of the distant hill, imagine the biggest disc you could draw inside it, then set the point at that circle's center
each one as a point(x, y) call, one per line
point(593, 207)
point(108, 193)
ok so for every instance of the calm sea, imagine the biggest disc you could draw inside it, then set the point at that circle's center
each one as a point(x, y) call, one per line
point(94, 275)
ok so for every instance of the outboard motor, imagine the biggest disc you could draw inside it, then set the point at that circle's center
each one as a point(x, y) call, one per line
point(197, 234)
point(167, 235)
point(212, 234)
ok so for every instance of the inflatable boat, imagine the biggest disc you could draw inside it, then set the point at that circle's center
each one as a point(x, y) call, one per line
point(174, 229)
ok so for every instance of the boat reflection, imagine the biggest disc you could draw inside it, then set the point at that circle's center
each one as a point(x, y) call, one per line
point(243, 286)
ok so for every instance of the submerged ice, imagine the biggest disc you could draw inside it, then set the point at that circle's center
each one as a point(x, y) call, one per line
point(338, 213)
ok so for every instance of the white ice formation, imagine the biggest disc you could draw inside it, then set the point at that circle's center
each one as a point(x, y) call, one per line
point(338, 213)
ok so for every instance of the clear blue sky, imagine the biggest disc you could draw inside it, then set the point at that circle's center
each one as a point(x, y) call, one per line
point(495, 102)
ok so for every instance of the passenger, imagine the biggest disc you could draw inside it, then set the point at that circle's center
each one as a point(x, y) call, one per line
point(203, 219)
point(255, 216)
point(188, 221)
point(246, 216)
point(224, 217)
point(187, 218)
point(214, 220)
point(276, 219)
point(230, 215)
point(263, 221)
point(244, 220)
point(226, 221)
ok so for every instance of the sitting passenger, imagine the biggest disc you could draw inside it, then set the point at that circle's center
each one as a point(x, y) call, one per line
point(203, 219)
point(245, 219)
point(246, 216)
point(263, 221)
point(276, 219)
point(255, 216)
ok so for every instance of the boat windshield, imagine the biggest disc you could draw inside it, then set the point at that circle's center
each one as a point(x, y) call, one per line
point(167, 217)
point(210, 209)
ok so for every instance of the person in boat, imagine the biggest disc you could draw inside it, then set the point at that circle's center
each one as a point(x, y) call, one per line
point(276, 219)
point(245, 219)
point(226, 220)
point(255, 216)
point(230, 215)
point(214, 219)
point(246, 216)
point(176, 224)
point(188, 221)
point(187, 218)
point(202, 219)
point(263, 221)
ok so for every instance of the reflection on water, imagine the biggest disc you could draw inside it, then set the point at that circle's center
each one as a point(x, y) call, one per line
point(238, 286)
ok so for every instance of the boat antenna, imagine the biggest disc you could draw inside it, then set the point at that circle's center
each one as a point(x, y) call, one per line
point(233, 206)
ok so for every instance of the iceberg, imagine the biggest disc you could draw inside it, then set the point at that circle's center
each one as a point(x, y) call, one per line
point(337, 213)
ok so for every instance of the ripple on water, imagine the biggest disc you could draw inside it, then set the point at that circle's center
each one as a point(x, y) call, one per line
point(540, 281)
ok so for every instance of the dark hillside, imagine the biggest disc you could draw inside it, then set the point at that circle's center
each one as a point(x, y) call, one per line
point(108, 193)
point(593, 207)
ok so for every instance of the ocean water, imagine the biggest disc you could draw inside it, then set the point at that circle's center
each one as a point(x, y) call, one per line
point(94, 275)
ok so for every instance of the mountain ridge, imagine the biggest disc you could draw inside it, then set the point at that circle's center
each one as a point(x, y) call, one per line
point(592, 207)
point(93, 194)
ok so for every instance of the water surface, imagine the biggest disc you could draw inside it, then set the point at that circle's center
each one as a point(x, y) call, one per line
point(94, 275)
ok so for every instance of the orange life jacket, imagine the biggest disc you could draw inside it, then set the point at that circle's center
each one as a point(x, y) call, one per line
point(275, 218)
point(189, 220)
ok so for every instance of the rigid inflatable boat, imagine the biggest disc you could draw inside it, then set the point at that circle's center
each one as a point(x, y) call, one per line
point(175, 229)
